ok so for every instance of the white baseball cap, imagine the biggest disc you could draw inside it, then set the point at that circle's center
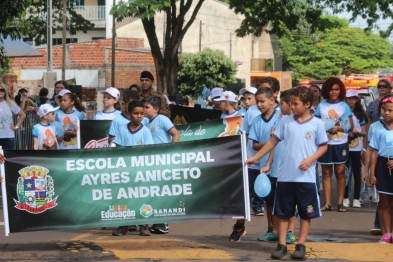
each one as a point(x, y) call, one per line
point(249, 89)
point(45, 109)
point(227, 96)
point(112, 91)
point(352, 93)
point(216, 92)
point(63, 92)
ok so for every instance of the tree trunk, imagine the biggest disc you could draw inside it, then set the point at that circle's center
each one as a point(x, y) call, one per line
point(166, 63)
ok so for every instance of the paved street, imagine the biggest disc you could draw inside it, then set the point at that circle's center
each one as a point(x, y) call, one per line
point(335, 236)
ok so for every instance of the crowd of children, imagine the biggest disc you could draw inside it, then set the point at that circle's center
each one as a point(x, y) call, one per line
point(292, 129)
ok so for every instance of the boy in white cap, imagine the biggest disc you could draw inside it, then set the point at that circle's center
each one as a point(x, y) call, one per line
point(110, 101)
point(249, 96)
point(228, 101)
point(215, 94)
point(44, 134)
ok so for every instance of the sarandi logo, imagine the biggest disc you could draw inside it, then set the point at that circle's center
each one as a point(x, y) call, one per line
point(146, 210)
point(35, 190)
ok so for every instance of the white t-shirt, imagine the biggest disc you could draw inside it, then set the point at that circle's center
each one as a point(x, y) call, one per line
point(356, 142)
point(6, 114)
point(102, 115)
point(46, 136)
point(301, 140)
point(334, 112)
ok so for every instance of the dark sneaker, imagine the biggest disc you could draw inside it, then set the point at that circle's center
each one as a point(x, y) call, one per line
point(159, 228)
point(375, 231)
point(133, 228)
point(259, 213)
point(300, 252)
point(120, 231)
point(238, 232)
point(280, 251)
point(143, 231)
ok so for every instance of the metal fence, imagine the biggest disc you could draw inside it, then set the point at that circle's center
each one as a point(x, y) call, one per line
point(23, 136)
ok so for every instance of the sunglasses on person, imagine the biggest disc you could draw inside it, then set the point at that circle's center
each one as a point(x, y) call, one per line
point(383, 86)
point(2, 90)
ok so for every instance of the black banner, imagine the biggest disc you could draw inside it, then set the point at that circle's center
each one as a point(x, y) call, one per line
point(181, 115)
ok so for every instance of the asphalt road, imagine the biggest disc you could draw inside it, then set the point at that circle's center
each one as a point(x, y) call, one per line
point(335, 236)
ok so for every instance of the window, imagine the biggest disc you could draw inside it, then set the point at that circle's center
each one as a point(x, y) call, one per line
point(97, 38)
point(59, 41)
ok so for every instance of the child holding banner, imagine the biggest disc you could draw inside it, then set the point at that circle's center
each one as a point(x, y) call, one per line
point(260, 133)
point(134, 133)
point(124, 117)
point(70, 111)
point(305, 141)
point(381, 166)
point(163, 131)
point(44, 133)
point(110, 101)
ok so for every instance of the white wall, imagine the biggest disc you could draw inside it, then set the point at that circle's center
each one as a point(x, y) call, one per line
point(86, 78)
point(218, 21)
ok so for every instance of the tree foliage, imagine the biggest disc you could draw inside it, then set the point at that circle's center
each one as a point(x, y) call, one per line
point(279, 16)
point(335, 51)
point(167, 61)
point(34, 24)
point(210, 68)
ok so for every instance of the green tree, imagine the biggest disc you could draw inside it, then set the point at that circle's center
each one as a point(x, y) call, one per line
point(34, 25)
point(210, 68)
point(167, 61)
point(341, 50)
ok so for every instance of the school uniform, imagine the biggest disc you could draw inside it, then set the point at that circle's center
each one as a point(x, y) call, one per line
point(378, 142)
point(338, 149)
point(46, 136)
point(68, 121)
point(159, 127)
point(253, 170)
point(102, 115)
point(126, 137)
point(297, 187)
point(120, 120)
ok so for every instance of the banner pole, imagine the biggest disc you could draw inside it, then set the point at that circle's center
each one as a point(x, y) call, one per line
point(78, 134)
point(245, 176)
point(4, 198)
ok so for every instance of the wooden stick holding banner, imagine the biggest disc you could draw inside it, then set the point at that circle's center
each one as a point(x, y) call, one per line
point(4, 197)
point(245, 176)
point(78, 134)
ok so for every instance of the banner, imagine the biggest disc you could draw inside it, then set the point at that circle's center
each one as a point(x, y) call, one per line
point(108, 187)
point(94, 133)
point(181, 115)
point(210, 129)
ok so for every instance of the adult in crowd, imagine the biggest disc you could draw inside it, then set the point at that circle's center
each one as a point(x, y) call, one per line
point(8, 108)
point(59, 85)
point(135, 87)
point(147, 80)
point(373, 115)
point(42, 97)
point(22, 99)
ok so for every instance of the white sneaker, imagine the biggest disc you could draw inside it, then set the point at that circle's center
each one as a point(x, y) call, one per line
point(346, 202)
point(356, 203)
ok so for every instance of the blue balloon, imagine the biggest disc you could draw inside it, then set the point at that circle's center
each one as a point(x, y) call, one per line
point(262, 186)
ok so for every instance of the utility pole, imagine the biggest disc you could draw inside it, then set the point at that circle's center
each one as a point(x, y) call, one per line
point(200, 35)
point(230, 45)
point(49, 35)
point(113, 47)
point(64, 38)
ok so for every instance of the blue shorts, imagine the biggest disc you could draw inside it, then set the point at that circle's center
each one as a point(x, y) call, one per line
point(336, 154)
point(384, 179)
point(269, 199)
point(292, 194)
